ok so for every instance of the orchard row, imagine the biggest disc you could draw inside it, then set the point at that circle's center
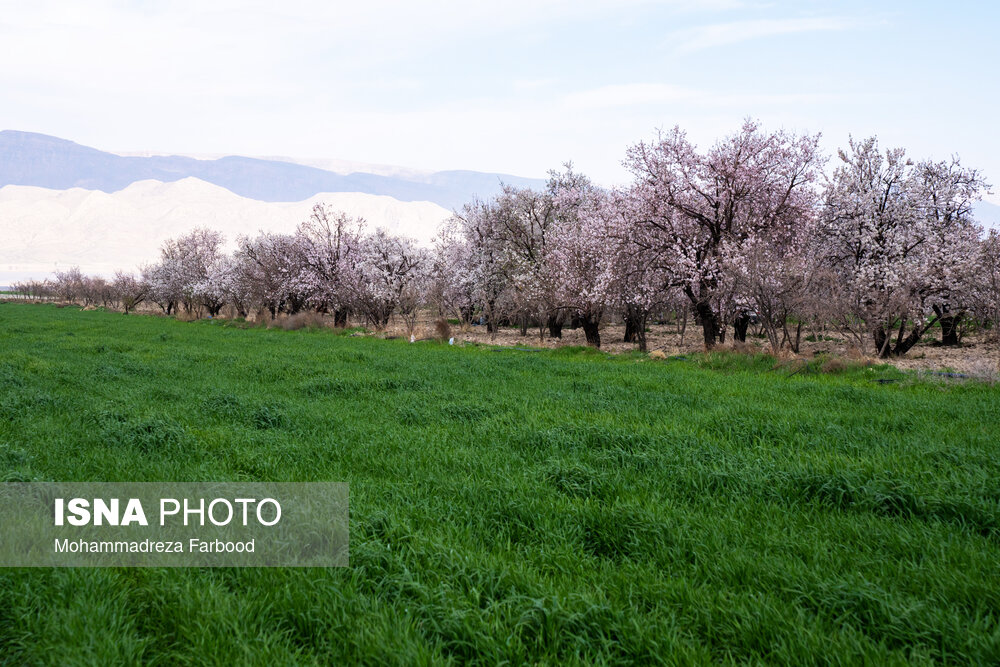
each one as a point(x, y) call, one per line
point(754, 229)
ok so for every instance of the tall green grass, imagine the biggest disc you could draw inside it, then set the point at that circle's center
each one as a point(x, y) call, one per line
point(512, 507)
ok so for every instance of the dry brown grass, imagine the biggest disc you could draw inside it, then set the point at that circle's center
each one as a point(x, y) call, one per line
point(442, 329)
point(854, 352)
point(785, 354)
point(303, 320)
point(834, 365)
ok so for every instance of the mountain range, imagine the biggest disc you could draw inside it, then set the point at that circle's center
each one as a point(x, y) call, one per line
point(64, 204)
point(27, 158)
point(44, 230)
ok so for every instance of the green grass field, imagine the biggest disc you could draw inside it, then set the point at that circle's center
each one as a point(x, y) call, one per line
point(509, 506)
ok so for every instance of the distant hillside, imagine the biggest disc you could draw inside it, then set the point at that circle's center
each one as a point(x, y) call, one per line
point(43, 230)
point(40, 160)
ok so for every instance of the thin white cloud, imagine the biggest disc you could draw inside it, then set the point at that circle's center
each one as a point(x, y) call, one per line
point(630, 94)
point(723, 34)
point(533, 84)
point(655, 95)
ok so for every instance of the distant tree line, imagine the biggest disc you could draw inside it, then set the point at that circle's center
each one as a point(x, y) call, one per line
point(752, 231)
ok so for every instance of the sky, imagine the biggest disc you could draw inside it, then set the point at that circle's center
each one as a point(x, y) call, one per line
point(519, 86)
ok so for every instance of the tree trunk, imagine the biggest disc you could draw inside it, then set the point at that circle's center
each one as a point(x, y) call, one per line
point(591, 329)
point(555, 325)
point(950, 323)
point(883, 340)
point(740, 326)
point(904, 345)
point(798, 338)
point(489, 313)
point(465, 313)
point(635, 325)
point(632, 327)
point(709, 323)
point(949, 330)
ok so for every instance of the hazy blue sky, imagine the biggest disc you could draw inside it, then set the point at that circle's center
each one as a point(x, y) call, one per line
point(516, 86)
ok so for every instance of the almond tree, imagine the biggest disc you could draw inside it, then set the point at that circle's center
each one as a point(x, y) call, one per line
point(214, 290)
point(774, 276)
point(946, 192)
point(583, 268)
point(512, 233)
point(35, 290)
point(185, 264)
point(638, 261)
point(450, 281)
point(900, 240)
point(129, 291)
point(165, 288)
point(98, 290)
point(696, 207)
point(508, 241)
point(69, 284)
point(230, 284)
point(330, 243)
point(485, 266)
point(270, 266)
point(390, 268)
point(525, 218)
point(986, 292)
